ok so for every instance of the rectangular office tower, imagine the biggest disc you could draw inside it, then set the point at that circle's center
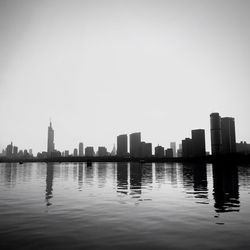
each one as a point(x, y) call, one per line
point(159, 151)
point(80, 149)
point(187, 148)
point(228, 135)
point(198, 143)
point(135, 144)
point(215, 129)
point(173, 146)
point(122, 145)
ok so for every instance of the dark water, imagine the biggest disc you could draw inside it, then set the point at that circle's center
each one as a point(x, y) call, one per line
point(124, 206)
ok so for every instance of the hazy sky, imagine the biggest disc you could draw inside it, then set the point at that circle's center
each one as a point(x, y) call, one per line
point(102, 68)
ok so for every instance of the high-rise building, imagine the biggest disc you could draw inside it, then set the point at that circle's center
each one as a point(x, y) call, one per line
point(228, 135)
point(15, 151)
point(30, 152)
point(159, 151)
point(9, 150)
point(89, 151)
point(80, 149)
point(102, 151)
point(187, 148)
point(173, 146)
point(148, 149)
point(216, 138)
point(198, 143)
point(122, 145)
point(66, 153)
point(75, 152)
point(135, 144)
point(51, 144)
point(169, 153)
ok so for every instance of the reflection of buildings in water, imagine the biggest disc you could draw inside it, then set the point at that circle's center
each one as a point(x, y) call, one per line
point(188, 176)
point(244, 177)
point(160, 172)
point(9, 174)
point(122, 177)
point(101, 173)
point(147, 175)
point(75, 171)
point(200, 180)
point(89, 174)
point(195, 180)
point(80, 175)
point(49, 183)
point(135, 179)
point(171, 173)
point(226, 188)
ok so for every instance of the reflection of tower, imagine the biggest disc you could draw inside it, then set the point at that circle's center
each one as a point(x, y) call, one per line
point(49, 183)
point(50, 145)
point(135, 179)
point(80, 175)
point(147, 174)
point(122, 177)
point(200, 180)
point(226, 188)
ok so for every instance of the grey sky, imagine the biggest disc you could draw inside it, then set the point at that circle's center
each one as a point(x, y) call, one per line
point(101, 68)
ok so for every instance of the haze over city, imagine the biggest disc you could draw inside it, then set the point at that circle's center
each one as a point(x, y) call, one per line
point(103, 68)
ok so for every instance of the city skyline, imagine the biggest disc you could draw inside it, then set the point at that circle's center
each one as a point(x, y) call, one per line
point(103, 68)
point(222, 137)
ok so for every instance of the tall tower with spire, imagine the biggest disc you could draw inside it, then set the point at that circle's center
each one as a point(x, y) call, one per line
point(51, 144)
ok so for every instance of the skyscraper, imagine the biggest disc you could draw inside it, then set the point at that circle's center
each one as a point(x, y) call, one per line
point(50, 145)
point(122, 145)
point(80, 149)
point(9, 150)
point(228, 135)
point(135, 144)
point(198, 143)
point(216, 139)
point(75, 152)
point(187, 148)
point(159, 151)
point(173, 146)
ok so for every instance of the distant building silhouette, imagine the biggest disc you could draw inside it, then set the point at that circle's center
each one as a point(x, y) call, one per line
point(66, 153)
point(102, 151)
point(15, 151)
point(187, 147)
point(51, 144)
point(228, 135)
point(122, 145)
point(135, 144)
point(173, 146)
point(159, 151)
point(75, 152)
point(9, 150)
point(198, 143)
point(216, 139)
point(243, 147)
point(169, 153)
point(89, 151)
point(80, 149)
point(223, 139)
point(179, 151)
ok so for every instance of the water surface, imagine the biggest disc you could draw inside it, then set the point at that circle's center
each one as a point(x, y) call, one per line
point(124, 206)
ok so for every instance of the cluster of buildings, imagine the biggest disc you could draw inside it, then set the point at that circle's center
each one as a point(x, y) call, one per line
point(223, 141)
point(12, 152)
